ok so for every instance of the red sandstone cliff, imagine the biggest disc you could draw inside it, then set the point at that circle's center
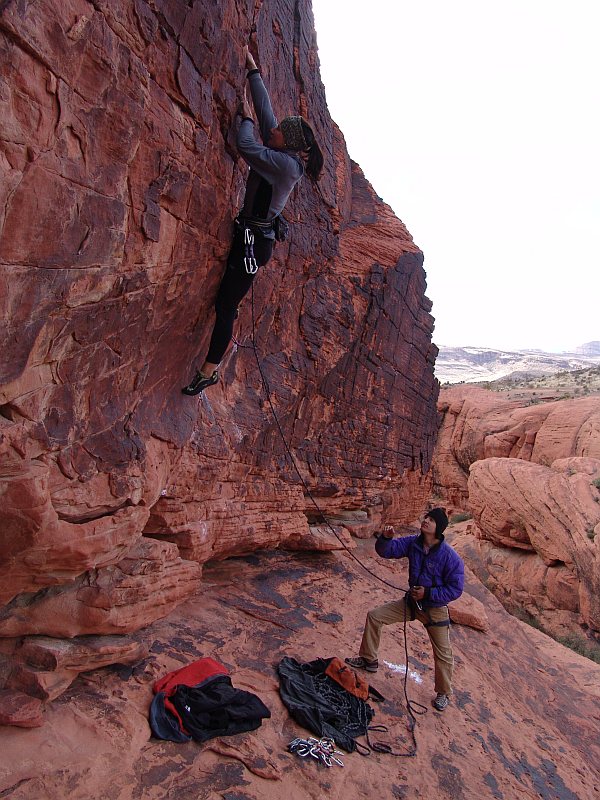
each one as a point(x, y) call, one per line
point(119, 181)
point(119, 177)
point(530, 475)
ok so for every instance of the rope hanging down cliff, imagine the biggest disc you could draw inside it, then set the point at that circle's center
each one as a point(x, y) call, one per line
point(296, 468)
point(287, 151)
point(413, 708)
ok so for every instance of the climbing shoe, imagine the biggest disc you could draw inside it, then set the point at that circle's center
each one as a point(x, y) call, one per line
point(440, 702)
point(200, 383)
point(363, 663)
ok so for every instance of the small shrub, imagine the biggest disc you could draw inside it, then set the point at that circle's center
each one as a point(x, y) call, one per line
point(596, 483)
point(463, 516)
point(591, 533)
point(581, 645)
point(528, 618)
point(577, 643)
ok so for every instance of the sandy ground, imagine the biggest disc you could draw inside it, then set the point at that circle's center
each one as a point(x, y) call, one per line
point(523, 723)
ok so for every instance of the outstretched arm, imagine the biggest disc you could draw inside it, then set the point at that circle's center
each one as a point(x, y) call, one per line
point(388, 547)
point(260, 99)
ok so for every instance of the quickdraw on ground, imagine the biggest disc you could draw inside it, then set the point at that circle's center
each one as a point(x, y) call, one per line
point(322, 750)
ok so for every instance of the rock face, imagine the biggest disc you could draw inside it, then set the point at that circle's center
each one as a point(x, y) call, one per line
point(477, 424)
point(553, 513)
point(522, 723)
point(531, 478)
point(119, 181)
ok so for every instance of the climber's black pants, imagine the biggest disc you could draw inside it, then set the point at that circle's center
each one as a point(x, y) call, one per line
point(234, 286)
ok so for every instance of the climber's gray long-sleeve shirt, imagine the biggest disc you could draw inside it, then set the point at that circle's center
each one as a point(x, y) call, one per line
point(273, 173)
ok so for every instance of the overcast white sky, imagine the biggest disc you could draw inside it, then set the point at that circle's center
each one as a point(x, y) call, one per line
point(478, 122)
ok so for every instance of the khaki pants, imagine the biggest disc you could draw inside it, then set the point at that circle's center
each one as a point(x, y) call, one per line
point(439, 636)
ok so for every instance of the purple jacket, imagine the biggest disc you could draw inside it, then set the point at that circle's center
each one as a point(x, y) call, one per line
point(441, 571)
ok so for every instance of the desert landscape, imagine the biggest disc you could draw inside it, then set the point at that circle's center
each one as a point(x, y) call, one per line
point(142, 530)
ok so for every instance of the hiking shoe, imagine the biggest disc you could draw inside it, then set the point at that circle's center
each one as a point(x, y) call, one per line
point(363, 663)
point(200, 383)
point(440, 702)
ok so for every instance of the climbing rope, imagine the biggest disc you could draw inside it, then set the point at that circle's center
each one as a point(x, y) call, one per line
point(411, 706)
point(295, 465)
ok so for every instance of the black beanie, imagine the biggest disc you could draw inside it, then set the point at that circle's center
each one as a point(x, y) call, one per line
point(438, 515)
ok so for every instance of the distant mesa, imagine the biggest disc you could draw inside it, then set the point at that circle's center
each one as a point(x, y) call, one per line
point(589, 349)
point(473, 364)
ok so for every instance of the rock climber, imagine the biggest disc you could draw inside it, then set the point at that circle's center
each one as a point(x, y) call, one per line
point(435, 577)
point(289, 150)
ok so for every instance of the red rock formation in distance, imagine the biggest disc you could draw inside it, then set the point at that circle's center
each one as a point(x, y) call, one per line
point(478, 423)
point(119, 181)
point(530, 475)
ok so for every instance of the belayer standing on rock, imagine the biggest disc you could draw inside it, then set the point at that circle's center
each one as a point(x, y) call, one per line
point(288, 151)
point(435, 576)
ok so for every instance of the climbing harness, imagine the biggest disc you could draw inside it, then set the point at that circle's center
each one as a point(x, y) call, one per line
point(443, 623)
point(322, 750)
point(263, 226)
point(249, 259)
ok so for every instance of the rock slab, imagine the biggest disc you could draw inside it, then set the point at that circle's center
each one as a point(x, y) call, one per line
point(522, 721)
